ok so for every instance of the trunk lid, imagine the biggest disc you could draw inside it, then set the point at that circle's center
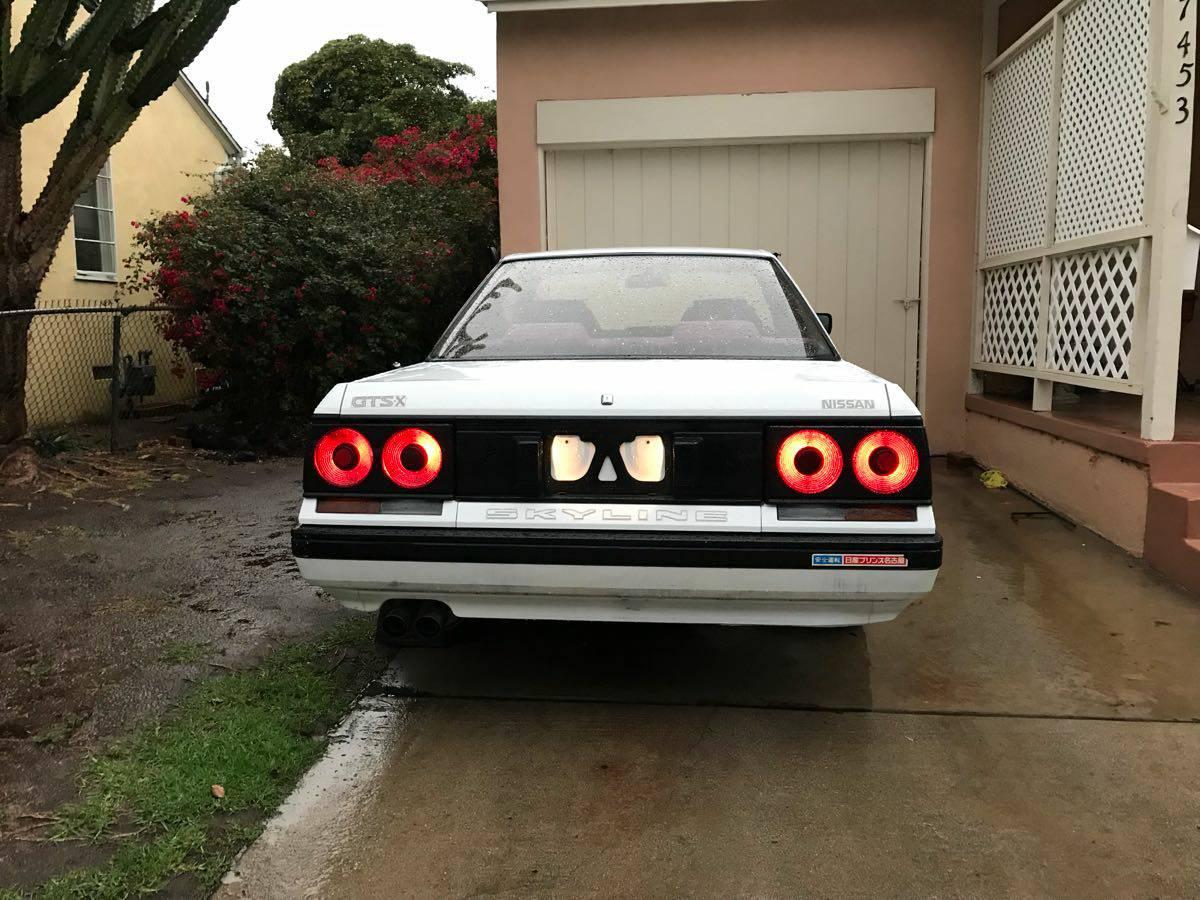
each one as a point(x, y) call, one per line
point(623, 389)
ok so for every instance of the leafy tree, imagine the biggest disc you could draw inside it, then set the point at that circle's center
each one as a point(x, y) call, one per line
point(127, 54)
point(291, 277)
point(351, 91)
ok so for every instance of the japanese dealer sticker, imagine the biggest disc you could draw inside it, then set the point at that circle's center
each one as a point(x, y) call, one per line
point(848, 560)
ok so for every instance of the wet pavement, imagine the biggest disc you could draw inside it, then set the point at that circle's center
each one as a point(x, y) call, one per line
point(1030, 729)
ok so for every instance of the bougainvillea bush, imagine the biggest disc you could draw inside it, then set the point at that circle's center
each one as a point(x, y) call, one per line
point(289, 277)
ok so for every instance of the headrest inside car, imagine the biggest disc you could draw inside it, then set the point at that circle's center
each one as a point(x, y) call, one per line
point(556, 312)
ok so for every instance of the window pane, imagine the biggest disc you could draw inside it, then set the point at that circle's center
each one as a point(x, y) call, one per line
point(107, 225)
point(95, 227)
point(87, 224)
point(103, 190)
point(644, 305)
point(88, 257)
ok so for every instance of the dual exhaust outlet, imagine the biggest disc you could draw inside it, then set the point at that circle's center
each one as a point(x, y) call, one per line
point(415, 622)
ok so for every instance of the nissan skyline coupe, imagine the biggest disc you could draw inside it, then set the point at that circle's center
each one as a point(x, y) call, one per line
point(623, 436)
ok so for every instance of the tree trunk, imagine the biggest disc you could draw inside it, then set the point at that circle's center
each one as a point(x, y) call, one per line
point(14, 359)
point(19, 286)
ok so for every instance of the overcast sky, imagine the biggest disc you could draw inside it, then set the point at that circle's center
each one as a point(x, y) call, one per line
point(261, 37)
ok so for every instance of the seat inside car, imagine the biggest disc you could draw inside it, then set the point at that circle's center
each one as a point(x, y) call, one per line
point(722, 309)
point(568, 339)
point(717, 336)
point(557, 312)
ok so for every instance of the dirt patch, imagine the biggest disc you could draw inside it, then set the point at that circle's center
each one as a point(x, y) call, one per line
point(124, 580)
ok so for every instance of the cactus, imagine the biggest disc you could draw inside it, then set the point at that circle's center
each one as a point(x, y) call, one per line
point(126, 54)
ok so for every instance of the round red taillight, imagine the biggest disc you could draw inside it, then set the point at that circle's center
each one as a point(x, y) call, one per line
point(886, 462)
point(412, 458)
point(343, 457)
point(809, 462)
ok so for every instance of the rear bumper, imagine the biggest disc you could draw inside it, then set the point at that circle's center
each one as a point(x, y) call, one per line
point(763, 579)
point(703, 550)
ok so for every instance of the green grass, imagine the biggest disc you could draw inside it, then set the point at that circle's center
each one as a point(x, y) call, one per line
point(176, 653)
point(254, 733)
point(58, 733)
point(51, 442)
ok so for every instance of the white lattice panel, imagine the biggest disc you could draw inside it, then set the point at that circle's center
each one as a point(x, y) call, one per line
point(1093, 300)
point(1009, 318)
point(1102, 141)
point(1019, 149)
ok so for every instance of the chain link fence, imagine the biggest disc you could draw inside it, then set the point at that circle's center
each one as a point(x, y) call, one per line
point(95, 362)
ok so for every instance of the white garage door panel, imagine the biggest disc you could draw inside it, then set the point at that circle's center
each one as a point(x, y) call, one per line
point(845, 216)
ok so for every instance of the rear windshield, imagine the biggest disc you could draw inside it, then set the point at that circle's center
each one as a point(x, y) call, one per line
point(637, 306)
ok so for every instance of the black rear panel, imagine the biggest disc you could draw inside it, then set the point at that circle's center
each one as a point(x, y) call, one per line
point(716, 461)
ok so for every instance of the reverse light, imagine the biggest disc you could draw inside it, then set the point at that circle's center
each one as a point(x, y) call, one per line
point(570, 457)
point(412, 458)
point(886, 462)
point(343, 457)
point(809, 462)
point(645, 458)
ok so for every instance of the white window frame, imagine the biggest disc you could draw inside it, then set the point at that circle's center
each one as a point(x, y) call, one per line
point(85, 274)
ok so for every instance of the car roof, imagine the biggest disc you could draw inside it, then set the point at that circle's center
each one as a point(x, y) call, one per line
point(641, 251)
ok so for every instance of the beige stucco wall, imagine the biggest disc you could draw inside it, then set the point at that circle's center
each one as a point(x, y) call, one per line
point(1104, 492)
point(782, 45)
point(171, 151)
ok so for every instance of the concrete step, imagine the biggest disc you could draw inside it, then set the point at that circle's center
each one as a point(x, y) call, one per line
point(1178, 506)
point(1174, 462)
point(1181, 563)
point(1173, 532)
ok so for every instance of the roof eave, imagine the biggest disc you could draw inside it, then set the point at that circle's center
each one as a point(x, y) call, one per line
point(499, 6)
point(233, 147)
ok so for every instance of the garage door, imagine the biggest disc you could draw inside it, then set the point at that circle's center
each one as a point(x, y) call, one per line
point(846, 218)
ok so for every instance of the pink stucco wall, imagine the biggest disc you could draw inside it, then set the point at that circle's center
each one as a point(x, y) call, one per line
point(1102, 491)
point(780, 45)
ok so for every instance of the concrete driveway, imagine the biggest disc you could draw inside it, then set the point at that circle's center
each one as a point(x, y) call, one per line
point(1031, 729)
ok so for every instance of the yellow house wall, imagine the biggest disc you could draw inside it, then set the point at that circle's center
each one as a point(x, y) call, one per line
point(170, 152)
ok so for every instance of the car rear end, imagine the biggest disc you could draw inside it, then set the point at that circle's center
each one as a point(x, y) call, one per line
point(820, 518)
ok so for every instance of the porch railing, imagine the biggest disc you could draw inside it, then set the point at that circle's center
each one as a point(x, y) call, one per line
point(1085, 164)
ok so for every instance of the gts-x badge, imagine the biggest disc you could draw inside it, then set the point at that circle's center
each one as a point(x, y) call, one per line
point(603, 514)
point(385, 402)
point(847, 404)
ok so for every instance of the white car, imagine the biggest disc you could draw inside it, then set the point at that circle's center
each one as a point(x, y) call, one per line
point(623, 435)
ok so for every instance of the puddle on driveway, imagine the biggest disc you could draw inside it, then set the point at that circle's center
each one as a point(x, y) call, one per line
point(1033, 617)
point(321, 816)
